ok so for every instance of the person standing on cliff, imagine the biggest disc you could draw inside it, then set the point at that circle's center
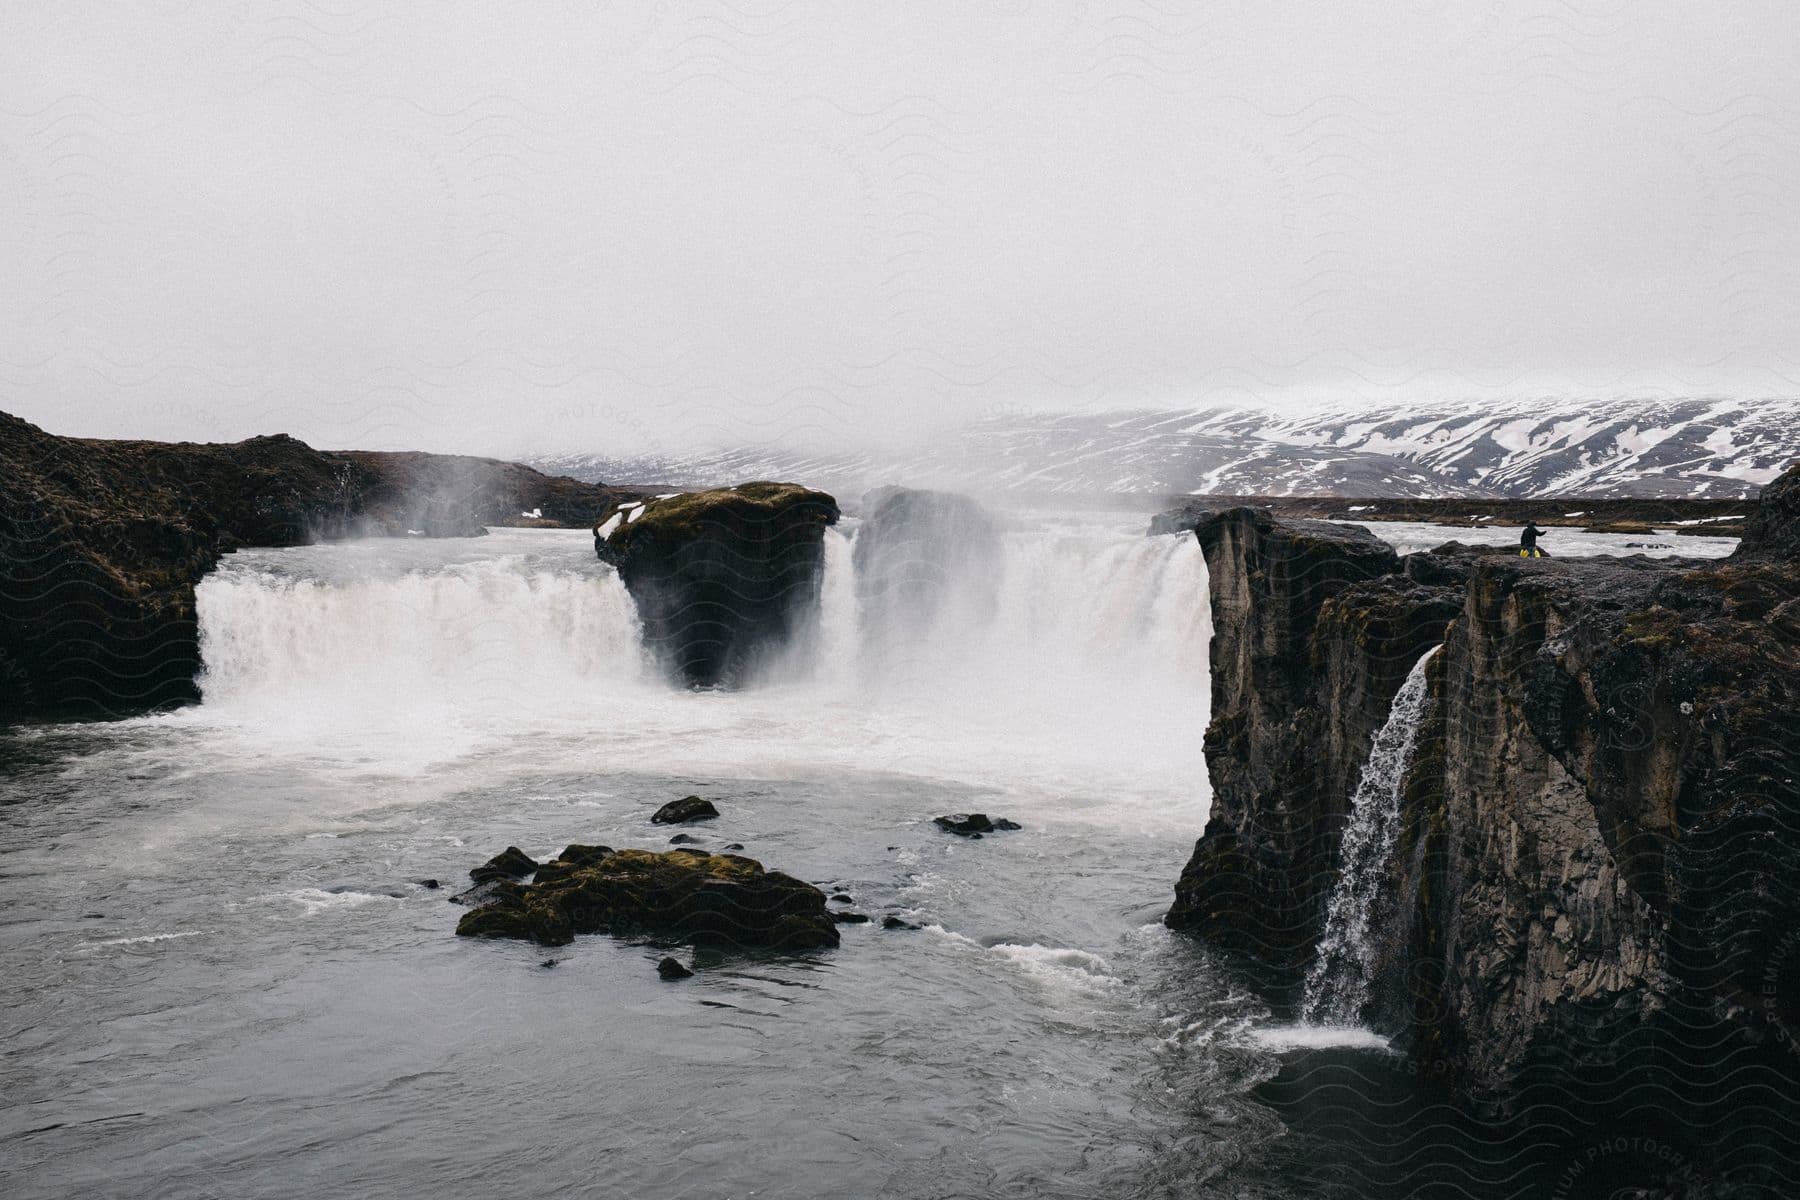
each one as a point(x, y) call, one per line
point(1528, 541)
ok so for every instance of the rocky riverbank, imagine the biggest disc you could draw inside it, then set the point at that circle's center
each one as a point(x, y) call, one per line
point(1597, 880)
point(102, 542)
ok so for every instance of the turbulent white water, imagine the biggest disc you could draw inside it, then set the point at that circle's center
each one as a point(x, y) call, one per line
point(1338, 986)
point(1085, 670)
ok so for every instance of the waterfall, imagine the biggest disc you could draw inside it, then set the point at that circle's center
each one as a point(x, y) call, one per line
point(482, 637)
point(1338, 986)
point(1061, 652)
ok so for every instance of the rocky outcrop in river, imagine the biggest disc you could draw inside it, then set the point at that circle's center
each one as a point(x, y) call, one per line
point(102, 542)
point(919, 552)
point(684, 895)
point(723, 579)
point(1596, 889)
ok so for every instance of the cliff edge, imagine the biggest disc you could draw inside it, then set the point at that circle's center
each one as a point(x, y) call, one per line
point(1594, 899)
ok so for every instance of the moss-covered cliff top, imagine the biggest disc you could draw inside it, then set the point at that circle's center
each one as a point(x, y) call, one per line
point(683, 517)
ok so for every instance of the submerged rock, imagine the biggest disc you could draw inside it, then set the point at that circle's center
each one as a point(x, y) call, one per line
point(684, 810)
point(671, 969)
point(722, 579)
point(973, 824)
point(896, 923)
point(849, 918)
point(684, 895)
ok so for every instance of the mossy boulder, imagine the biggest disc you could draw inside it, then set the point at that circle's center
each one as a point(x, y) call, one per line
point(685, 895)
point(723, 579)
point(510, 863)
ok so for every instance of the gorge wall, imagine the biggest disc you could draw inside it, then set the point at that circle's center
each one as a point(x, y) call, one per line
point(1596, 892)
point(102, 542)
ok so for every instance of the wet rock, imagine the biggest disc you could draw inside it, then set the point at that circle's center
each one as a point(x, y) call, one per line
point(683, 839)
point(510, 863)
point(1774, 529)
point(572, 859)
point(683, 895)
point(735, 846)
point(1597, 859)
point(671, 969)
point(1294, 714)
point(722, 579)
point(549, 962)
point(896, 923)
point(918, 556)
point(841, 898)
point(849, 918)
point(684, 810)
point(973, 824)
point(429, 884)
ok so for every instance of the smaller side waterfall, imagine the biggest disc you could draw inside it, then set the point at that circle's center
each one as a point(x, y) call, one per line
point(1337, 987)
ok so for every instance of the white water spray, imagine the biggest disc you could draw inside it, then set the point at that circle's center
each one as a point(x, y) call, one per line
point(1082, 672)
point(1339, 984)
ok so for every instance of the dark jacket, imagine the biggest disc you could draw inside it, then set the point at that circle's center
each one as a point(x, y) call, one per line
point(1529, 538)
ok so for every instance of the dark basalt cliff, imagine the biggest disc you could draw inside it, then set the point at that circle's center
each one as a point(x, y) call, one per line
point(723, 579)
point(102, 542)
point(1315, 628)
point(1597, 887)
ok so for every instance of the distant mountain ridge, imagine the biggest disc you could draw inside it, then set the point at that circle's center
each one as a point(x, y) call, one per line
point(1645, 448)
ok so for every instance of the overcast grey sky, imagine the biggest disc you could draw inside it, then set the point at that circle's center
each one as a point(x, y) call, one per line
point(636, 226)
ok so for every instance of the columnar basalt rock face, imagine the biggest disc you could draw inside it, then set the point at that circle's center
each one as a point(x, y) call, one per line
point(723, 579)
point(1529, 901)
point(1598, 877)
point(1315, 629)
point(102, 542)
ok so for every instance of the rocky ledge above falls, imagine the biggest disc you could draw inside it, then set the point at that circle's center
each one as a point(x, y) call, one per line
point(722, 579)
point(1596, 890)
point(102, 542)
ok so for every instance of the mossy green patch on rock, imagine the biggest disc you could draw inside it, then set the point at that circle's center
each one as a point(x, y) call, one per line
point(680, 895)
point(676, 519)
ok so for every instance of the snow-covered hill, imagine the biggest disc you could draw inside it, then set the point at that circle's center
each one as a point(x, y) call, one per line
point(1719, 448)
